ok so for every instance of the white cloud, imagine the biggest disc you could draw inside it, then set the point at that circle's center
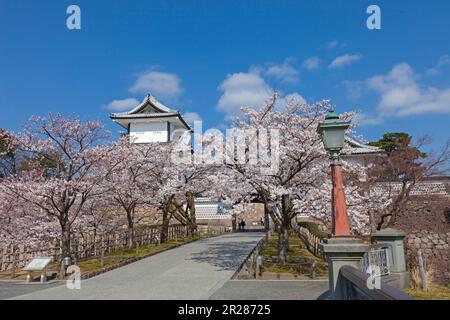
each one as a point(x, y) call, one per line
point(294, 97)
point(364, 119)
point(190, 117)
point(333, 44)
point(122, 105)
point(344, 60)
point(402, 95)
point(242, 89)
point(249, 89)
point(442, 61)
point(432, 72)
point(284, 72)
point(311, 63)
point(354, 89)
point(162, 85)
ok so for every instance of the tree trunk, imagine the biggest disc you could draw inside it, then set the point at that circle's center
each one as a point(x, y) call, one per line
point(283, 244)
point(65, 242)
point(285, 226)
point(130, 237)
point(192, 230)
point(130, 231)
point(192, 227)
point(266, 217)
point(164, 235)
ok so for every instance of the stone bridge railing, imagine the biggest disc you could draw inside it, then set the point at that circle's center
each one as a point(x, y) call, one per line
point(362, 271)
point(352, 284)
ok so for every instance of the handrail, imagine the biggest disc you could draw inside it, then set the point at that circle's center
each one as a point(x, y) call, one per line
point(359, 280)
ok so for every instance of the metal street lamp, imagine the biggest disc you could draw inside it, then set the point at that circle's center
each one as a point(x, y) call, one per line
point(333, 133)
point(332, 130)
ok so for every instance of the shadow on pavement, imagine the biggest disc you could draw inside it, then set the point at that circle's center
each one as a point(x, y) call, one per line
point(227, 255)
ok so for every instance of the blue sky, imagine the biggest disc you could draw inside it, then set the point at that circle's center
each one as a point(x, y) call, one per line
point(207, 57)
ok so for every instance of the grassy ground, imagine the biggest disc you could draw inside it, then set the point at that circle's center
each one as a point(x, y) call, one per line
point(434, 293)
point(119, 256)
point(113, 259)
point(299, 259)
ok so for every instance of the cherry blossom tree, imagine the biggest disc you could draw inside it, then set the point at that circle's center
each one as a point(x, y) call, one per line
point(195, 180)
point(146, 177)
point(300, 183)
point(184, 180)
point(8, 155)
point(21, 224)
point(299, 149)
point(363, 200)
point(59, 190)
point(138, 180)
point(99, 217)
point(201, 172)
point(166, 179)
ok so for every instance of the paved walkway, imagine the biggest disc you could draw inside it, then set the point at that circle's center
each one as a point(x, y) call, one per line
point(13, 288)
point(272, 290)
point(192, 271)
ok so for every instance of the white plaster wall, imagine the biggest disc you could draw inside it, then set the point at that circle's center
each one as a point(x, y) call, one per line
point(176, 132)
point(148, 132)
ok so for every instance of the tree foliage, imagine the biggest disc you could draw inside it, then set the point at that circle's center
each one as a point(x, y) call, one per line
point(406, 165)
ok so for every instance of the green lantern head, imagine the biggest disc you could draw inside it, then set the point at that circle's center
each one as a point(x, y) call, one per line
point(332, 130)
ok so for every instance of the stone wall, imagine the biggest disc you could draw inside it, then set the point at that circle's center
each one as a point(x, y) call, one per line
point(252, 213)
point(426, 221)
point(431, 213)
point(215, 222)
point(435, 249)
point(423, 188)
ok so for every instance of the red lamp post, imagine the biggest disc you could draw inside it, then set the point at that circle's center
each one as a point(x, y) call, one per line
point(333, 130)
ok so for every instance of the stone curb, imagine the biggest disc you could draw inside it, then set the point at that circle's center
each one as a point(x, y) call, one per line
point(249, 256)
